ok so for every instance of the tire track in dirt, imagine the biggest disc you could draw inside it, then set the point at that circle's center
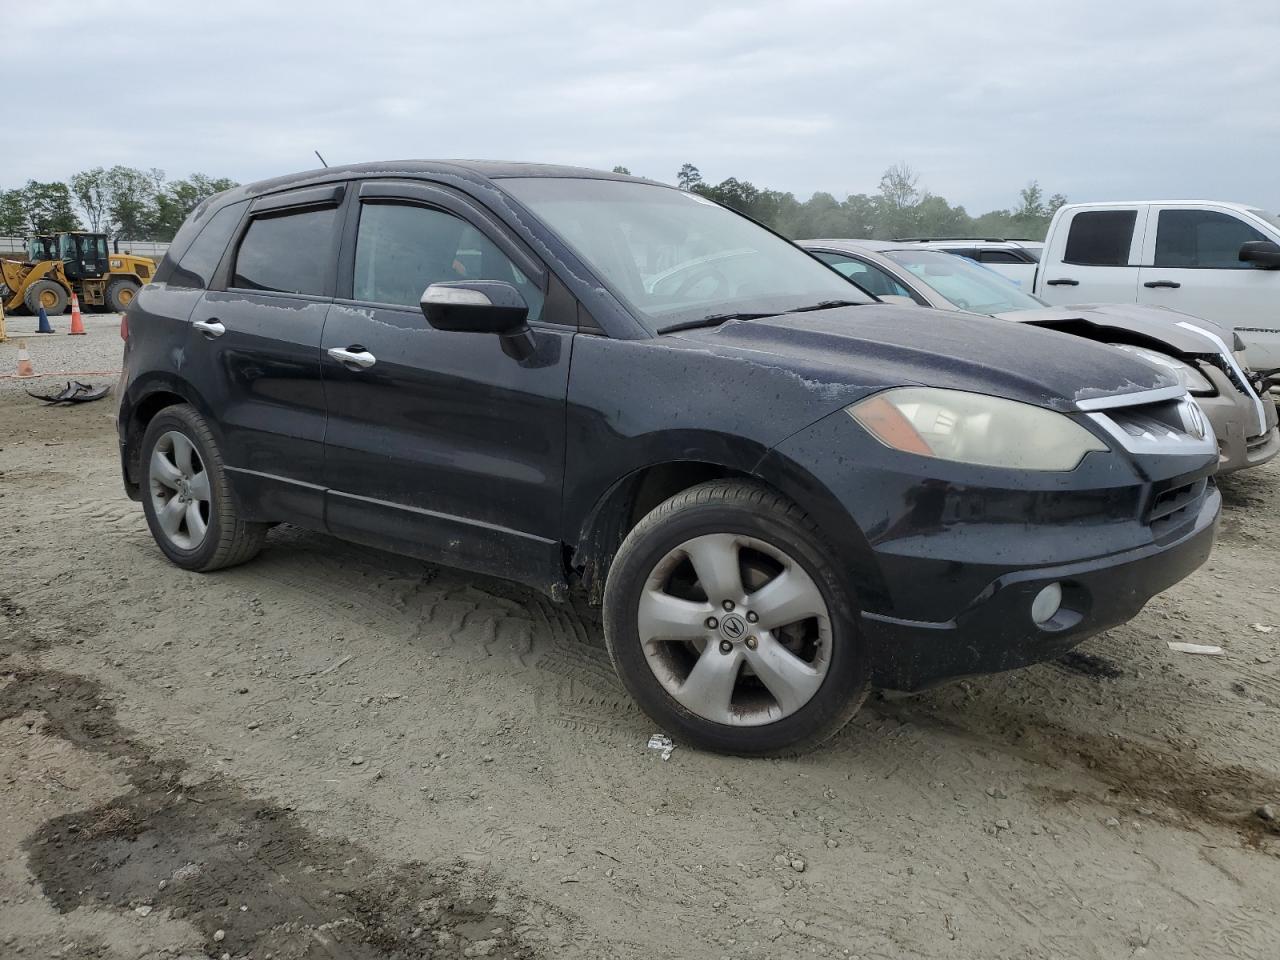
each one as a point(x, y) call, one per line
point(215, 848)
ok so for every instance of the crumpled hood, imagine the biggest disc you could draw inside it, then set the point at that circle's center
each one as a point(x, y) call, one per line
point(849, 352)
point(1157, 324)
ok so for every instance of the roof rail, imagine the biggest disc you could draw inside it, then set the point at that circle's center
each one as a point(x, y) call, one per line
point(965, 239)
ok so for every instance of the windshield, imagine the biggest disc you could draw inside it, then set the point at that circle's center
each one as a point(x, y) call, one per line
point(965, 283)
point(674, 257)
point(39, 248)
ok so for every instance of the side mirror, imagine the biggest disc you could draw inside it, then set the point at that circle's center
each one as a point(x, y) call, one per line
point(1263, 253)
point(481, 306)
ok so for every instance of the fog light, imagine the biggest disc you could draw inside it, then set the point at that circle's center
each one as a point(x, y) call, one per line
point(1047, 603)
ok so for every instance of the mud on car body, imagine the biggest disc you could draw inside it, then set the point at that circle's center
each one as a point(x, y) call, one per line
point(781, 490)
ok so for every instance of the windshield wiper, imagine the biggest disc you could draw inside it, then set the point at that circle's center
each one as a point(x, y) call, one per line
point(712, 320)
point(828, 305)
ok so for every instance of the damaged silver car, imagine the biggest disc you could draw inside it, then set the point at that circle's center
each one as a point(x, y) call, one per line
point(1207, 359)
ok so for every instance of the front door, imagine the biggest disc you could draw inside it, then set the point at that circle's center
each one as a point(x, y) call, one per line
point(438, 443)
point(1195, 268)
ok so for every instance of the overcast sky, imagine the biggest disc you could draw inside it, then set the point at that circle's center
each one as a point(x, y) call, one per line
point(1098, 100)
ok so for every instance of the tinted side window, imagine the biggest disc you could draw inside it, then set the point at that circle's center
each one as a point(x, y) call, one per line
point(402, 249)
point(289, 252)
point(869, 278)
point(1101, 238)
point(1201, 238)
point(999, 256)
point(195, 268)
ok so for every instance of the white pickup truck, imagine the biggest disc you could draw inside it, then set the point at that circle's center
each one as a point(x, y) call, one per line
point(1207, 258)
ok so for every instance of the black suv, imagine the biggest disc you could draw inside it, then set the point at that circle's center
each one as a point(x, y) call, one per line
point(782, 490)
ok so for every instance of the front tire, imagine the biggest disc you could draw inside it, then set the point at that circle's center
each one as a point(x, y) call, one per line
point(729, 625)
point(187, 496)
point(47, 294)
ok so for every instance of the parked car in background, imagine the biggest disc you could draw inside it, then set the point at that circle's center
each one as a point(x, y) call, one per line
point(1197, 351)
point(782, 490)
point(1206, 258)
point(1014, 259)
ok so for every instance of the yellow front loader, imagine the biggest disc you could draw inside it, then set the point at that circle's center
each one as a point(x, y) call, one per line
point(60, 264)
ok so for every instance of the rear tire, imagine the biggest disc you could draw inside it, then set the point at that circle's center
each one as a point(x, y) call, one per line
point(782, 670)
point(120, 293)
point(187, 496)
point(47, 294)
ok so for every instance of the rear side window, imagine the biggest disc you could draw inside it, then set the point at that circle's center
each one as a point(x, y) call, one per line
point(1202, 238)
point(289, 253)
point(196, 266)
point(999, 256)
point(401, 249)
point(1101, 238)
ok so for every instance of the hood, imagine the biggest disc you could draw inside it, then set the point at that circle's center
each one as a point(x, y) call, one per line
point(1148, 326)
point(850, 351)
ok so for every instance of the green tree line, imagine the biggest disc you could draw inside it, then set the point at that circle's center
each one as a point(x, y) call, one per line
point(901, 207)
point(122, 202)
point(133, 204)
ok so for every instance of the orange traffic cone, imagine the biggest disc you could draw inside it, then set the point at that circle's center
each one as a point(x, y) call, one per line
point(77, 323)
point(24, 361)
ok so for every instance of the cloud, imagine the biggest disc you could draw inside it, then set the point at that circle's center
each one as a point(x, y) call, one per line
point(1097, 100)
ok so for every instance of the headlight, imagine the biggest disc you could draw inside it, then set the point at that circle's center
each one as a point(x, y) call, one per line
point(974, 428)
point(1188, 376)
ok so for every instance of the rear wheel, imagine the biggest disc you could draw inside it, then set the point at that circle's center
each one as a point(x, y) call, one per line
point(729, 625)
point(47, 294)
point(187, 496)
point(120, 293)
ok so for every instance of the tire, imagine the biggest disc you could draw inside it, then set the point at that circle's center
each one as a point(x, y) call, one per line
point(214, 536)
point(47, 294)
point(120, 293)
point(654, 584)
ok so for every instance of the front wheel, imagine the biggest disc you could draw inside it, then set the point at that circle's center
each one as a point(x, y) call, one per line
point(187, 496)
point(729, 625)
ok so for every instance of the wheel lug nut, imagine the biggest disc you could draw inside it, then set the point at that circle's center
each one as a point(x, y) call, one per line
point(726, 646)
point(728, 604)
point(752, 642)
point(712, 623)
point(752, 616)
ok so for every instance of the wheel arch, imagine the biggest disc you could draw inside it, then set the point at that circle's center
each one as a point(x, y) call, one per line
point(140, 406)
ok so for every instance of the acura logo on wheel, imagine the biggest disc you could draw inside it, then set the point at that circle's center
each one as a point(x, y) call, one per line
point(733, 627)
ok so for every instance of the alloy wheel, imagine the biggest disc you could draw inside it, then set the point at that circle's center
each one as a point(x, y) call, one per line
point(180, 492)
point(735, 629)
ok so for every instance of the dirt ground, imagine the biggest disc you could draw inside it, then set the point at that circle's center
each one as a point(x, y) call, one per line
point(335, 752)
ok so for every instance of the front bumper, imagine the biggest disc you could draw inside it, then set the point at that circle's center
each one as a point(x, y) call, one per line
point(1234, 418)
point(996, 631)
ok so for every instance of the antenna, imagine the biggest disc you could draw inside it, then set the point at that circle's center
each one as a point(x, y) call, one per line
point(325, 165)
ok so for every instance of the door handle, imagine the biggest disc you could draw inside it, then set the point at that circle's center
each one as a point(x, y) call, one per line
point(353, 357)
point(1063, 282)
point(210, 328)
point(1171, 284)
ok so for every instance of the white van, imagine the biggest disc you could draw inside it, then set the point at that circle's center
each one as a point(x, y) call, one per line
point(1207, 258)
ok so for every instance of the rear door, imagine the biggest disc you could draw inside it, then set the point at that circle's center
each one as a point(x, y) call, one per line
point(254, 350)
point(1192, 258)
point(1093, 257)
point(439, 444)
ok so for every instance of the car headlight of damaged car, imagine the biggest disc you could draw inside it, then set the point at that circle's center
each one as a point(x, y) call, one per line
point(1188, 376)
point(974, 428)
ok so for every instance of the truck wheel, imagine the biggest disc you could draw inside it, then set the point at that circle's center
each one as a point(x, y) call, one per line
point(47, 294)
point(120, 293)
point(187, 497)
point(729, 625)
